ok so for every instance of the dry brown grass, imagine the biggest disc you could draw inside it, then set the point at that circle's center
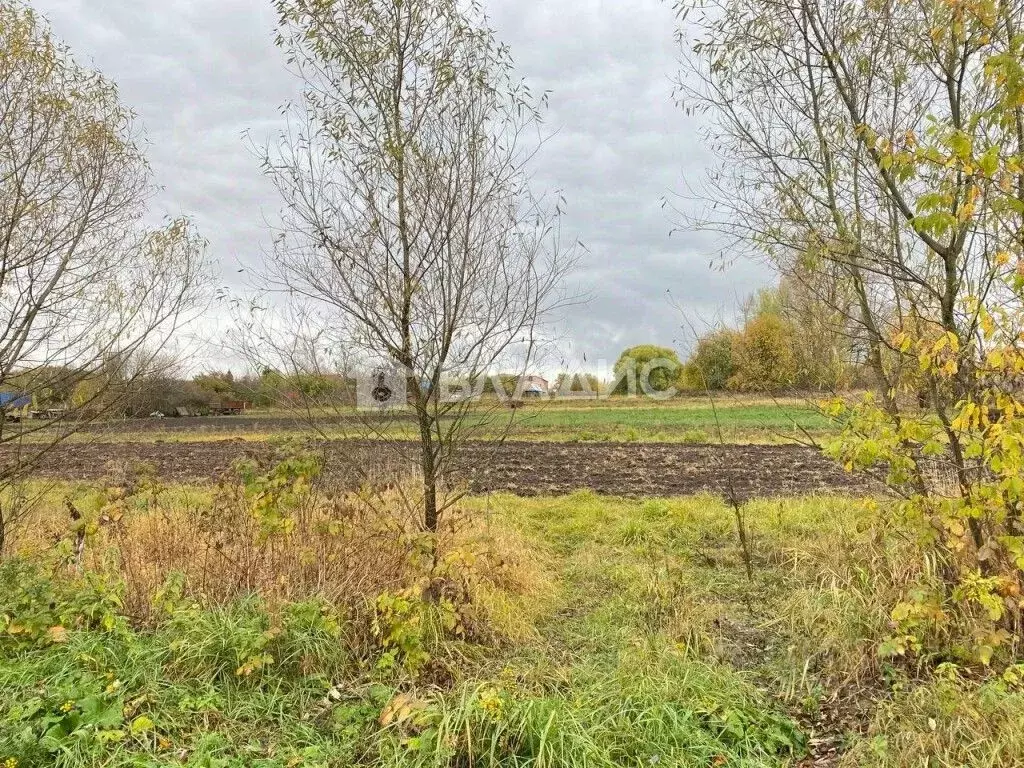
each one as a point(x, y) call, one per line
point(344, 548)
point(336, 550)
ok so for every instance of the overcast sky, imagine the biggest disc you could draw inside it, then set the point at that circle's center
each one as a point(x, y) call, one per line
point(203, 73)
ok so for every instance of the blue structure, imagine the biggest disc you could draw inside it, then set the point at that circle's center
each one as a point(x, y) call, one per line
point(14, 400)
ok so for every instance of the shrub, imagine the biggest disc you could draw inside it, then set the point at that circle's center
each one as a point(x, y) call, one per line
point(568, 383)
point(960, 475)
point(712, 363)
point(660, 366)
point(36, 609)
point(764, 356)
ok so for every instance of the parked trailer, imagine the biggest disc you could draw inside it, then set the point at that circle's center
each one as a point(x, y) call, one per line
point(230, 408)
point(52, 414)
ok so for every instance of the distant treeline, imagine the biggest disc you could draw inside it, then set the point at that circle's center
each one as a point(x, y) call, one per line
point(789, 340)
point(142, 394)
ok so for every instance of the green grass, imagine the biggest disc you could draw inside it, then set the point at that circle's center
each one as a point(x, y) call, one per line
point(118, 697)
point(690, 420)
point(647, 646)
point(686, 423)
point(108, 694)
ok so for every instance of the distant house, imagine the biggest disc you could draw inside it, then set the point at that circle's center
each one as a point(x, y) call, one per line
point(534, 387)
point(13, 400)
point(12, 405)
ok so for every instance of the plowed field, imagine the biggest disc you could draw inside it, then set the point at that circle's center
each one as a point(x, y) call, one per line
point(524, 468)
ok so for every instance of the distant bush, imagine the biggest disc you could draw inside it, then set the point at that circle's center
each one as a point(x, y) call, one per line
point(577, 382)
point(661, 365)
point(764, 355)
point(272, 388)
point(788, 340)
point(509, 383)
point(713, 363)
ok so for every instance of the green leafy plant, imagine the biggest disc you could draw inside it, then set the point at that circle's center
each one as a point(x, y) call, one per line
point(36, 608)
point(408, 627)
point(274, 492)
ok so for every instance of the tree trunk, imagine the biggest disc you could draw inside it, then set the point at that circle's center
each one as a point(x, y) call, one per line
point(429, 467)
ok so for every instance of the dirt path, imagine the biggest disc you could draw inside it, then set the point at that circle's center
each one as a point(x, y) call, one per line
point(625, 469)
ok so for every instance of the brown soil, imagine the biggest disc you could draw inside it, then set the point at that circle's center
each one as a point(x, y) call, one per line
point(623, 469)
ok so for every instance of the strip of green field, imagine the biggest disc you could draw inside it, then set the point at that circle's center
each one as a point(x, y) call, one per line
point(686, 423)
point(689, 421)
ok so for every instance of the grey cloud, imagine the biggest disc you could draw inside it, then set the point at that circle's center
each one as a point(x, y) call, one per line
point(202, 74)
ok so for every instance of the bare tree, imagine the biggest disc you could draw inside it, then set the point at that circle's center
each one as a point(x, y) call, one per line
point(85, 284)
point(410, 233)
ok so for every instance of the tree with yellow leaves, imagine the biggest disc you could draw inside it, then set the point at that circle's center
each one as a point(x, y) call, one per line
point(887, 140)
